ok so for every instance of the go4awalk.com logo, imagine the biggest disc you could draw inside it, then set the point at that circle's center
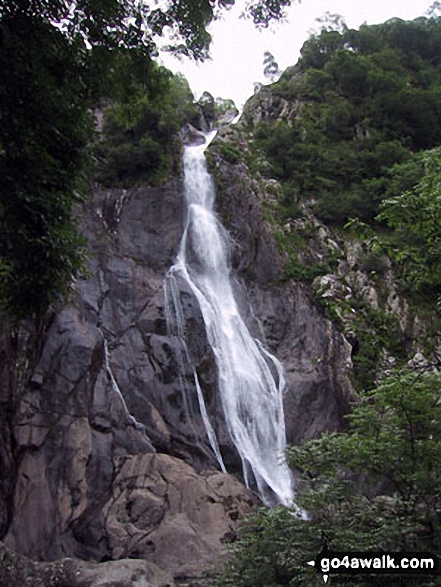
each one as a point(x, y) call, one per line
point(374, 563)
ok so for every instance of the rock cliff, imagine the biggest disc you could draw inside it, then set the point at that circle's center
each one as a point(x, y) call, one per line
point(104, 453)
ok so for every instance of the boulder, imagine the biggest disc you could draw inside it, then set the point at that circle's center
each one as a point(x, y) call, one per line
point(163, 511)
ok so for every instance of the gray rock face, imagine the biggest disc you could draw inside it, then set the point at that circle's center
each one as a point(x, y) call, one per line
point(317, 359)
point(104, 452)
point(192, 136)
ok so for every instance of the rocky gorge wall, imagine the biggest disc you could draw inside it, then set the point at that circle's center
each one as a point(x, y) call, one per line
point(104, 455)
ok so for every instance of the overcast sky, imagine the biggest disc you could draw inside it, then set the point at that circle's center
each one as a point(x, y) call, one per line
point(238, 47)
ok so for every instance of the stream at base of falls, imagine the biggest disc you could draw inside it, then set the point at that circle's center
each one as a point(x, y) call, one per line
point(251, 380)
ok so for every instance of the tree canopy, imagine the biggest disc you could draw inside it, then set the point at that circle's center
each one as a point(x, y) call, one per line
point(363, 103)
point(133, 23)
point(44, 131)
point(139, 141)
point(58, 58)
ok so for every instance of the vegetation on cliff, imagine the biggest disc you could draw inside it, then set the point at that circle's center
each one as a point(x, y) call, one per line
point(414, 215)
point(352, 132)
point(139, 142)
point(361, 105)
point(346, 147)
point(354, 126)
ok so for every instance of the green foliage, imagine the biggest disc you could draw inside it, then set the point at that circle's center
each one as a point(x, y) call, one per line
point(293, 242)
point(229, 152)
point(44, 129)
point(223, 105)
point(375, 331)
point(374, 487)
point(294, 269)
point(415, 217)
point(52, 76)
point(364, 103)
point(262, 12)
point(117, 23)
point(370, 330)
point(140, 136)
point(373, 262)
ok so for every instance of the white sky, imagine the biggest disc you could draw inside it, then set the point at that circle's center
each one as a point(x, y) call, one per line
point(237, 47)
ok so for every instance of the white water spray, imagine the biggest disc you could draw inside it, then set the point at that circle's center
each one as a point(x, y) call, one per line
point(251, 397)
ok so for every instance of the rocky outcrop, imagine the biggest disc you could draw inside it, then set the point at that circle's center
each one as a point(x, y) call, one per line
point(316, 357)
point(163, 511)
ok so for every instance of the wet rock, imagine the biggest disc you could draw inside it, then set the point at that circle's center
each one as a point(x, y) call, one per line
point(206, 104)
point(226, 118)
point(316, 356)
point(192, 136)
point(238, 201)
point(107, 385)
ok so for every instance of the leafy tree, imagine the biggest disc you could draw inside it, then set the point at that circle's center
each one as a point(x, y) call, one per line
point(57, 58)
point(332, 22)
point(271, 68)
point(264, 11)
point(44, 129)
point(139, 142)
point(415, 216)
point(374, 487)
point(112, 23)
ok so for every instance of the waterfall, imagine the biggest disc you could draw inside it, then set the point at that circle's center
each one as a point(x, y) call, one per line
point(251, 396)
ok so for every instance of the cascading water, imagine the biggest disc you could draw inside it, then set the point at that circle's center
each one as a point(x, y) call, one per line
point(251, 397)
